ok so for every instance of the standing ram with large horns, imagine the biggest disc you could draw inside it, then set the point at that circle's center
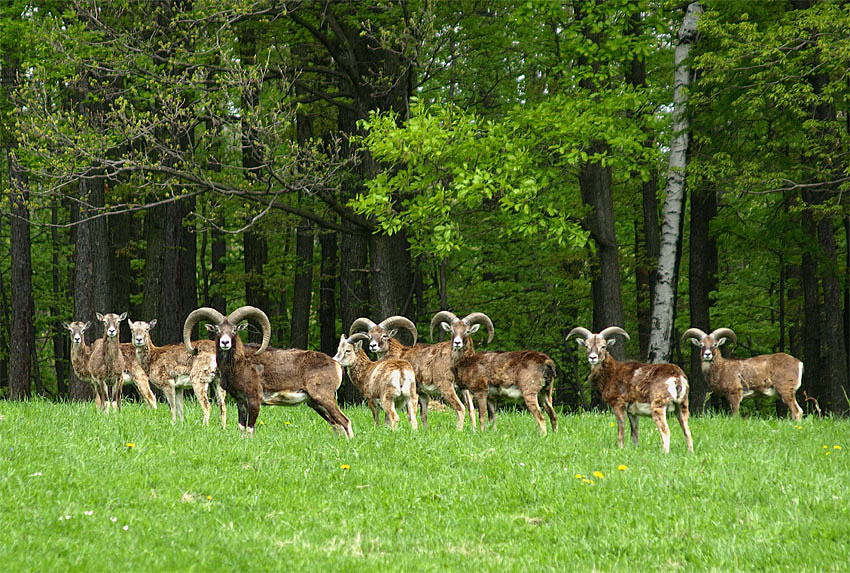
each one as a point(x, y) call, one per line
point(271, 376)
point(739, 378)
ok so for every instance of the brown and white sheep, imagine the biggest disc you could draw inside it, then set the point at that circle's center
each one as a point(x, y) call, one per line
point(173, 370)
point(255, 375)
point(387, 383)
point(738, 378)
point(634, 388)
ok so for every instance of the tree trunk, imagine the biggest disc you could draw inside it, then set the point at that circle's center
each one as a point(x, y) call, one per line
point(61, 347)
point(120, 277)
point(302, 289)
point(701, 280)
point(328, 334)
point(21, 349)
point(353, 295)
point(392, 280)
point(813, 316)
point(835, 371)
point(179, 290)
point(90, 267)
point(664, 305)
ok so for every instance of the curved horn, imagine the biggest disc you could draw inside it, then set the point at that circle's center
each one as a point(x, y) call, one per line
point(245, 312)
point(481, 318)
point(693, 333)
point(606, 332)
point(442, 316)
point(399, 322)
point(585, 333)
point(358, 336)
point(206, 312)
point(361, 323)
point(724, 332)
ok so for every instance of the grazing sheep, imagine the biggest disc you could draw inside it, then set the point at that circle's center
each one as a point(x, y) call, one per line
point(635, 388)
point(738, 378)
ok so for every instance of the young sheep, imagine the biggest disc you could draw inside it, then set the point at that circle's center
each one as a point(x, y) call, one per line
point(635, 388)
point(431, 362)
point(525, 375)
point(106, 363)
point(174, 370)
point(270, 376)
point(81, 352)
point(738, 378)
point(389, 382)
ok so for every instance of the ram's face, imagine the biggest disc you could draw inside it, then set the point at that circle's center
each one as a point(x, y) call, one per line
point(708, 347)
point(459, 331)
point(379, 340)
point(226, 334)
point(596, 347)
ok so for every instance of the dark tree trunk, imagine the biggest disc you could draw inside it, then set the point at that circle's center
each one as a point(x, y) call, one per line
point(595, 182)
point(179, 291)
point(392, 280)
point(702, 280)
point(834, 375)
point(22, 347)
point(61, 346)
point(120, 276)
point(328, 335)
point(90, 267)
point(302, 289)
point(813, 321)
point(152, 304)
point(353, 295)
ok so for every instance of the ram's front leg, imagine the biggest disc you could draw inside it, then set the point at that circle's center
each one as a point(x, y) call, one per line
point(242, 412)
point(620, 414)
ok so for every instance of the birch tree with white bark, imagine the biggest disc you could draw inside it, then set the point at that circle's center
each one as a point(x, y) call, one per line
point(664, 300)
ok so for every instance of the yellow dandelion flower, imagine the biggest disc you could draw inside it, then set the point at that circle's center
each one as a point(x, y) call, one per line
point(598, 474)
point(287, 422)
point(579, 476)
point(622, 467)
point(209, 497)
point(588, 481)
point(612, 424)
point(836, 447)
point(261, 423)
point(799, 427)
point(825, 447)
point(131, 445)
point(346, 467)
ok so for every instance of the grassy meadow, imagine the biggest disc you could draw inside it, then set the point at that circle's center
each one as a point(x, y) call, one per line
point(82, 491)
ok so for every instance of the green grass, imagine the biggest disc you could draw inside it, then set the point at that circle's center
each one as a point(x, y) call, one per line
point(75, 495)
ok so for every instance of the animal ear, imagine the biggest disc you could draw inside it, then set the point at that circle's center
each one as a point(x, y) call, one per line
point(88, 324)
point(611, 341)
point(474, 328)
point(696, 342)
point(242, 327)
point(66, 325)
point(131, 323)
point(580, 342)
point(721, 341)
point(392, 332)
point(123, 316)
point(358, 345)
point(99, 316)
point(152, 323)
point(446, 326)
point(211, 327)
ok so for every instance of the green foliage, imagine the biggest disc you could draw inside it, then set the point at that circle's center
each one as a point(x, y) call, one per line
point(138, 493)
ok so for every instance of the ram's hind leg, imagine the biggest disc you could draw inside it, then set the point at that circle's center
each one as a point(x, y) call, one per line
point(682, 413)
point(221, 399)
point(790, 400)
point(533, 406)
point(659, 416)
point(329, 410)
point(201, 393)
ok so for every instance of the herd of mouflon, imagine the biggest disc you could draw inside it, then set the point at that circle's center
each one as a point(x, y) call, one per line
point(402, 377)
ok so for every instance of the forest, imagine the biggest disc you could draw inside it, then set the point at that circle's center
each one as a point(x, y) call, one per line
point(651, 164)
